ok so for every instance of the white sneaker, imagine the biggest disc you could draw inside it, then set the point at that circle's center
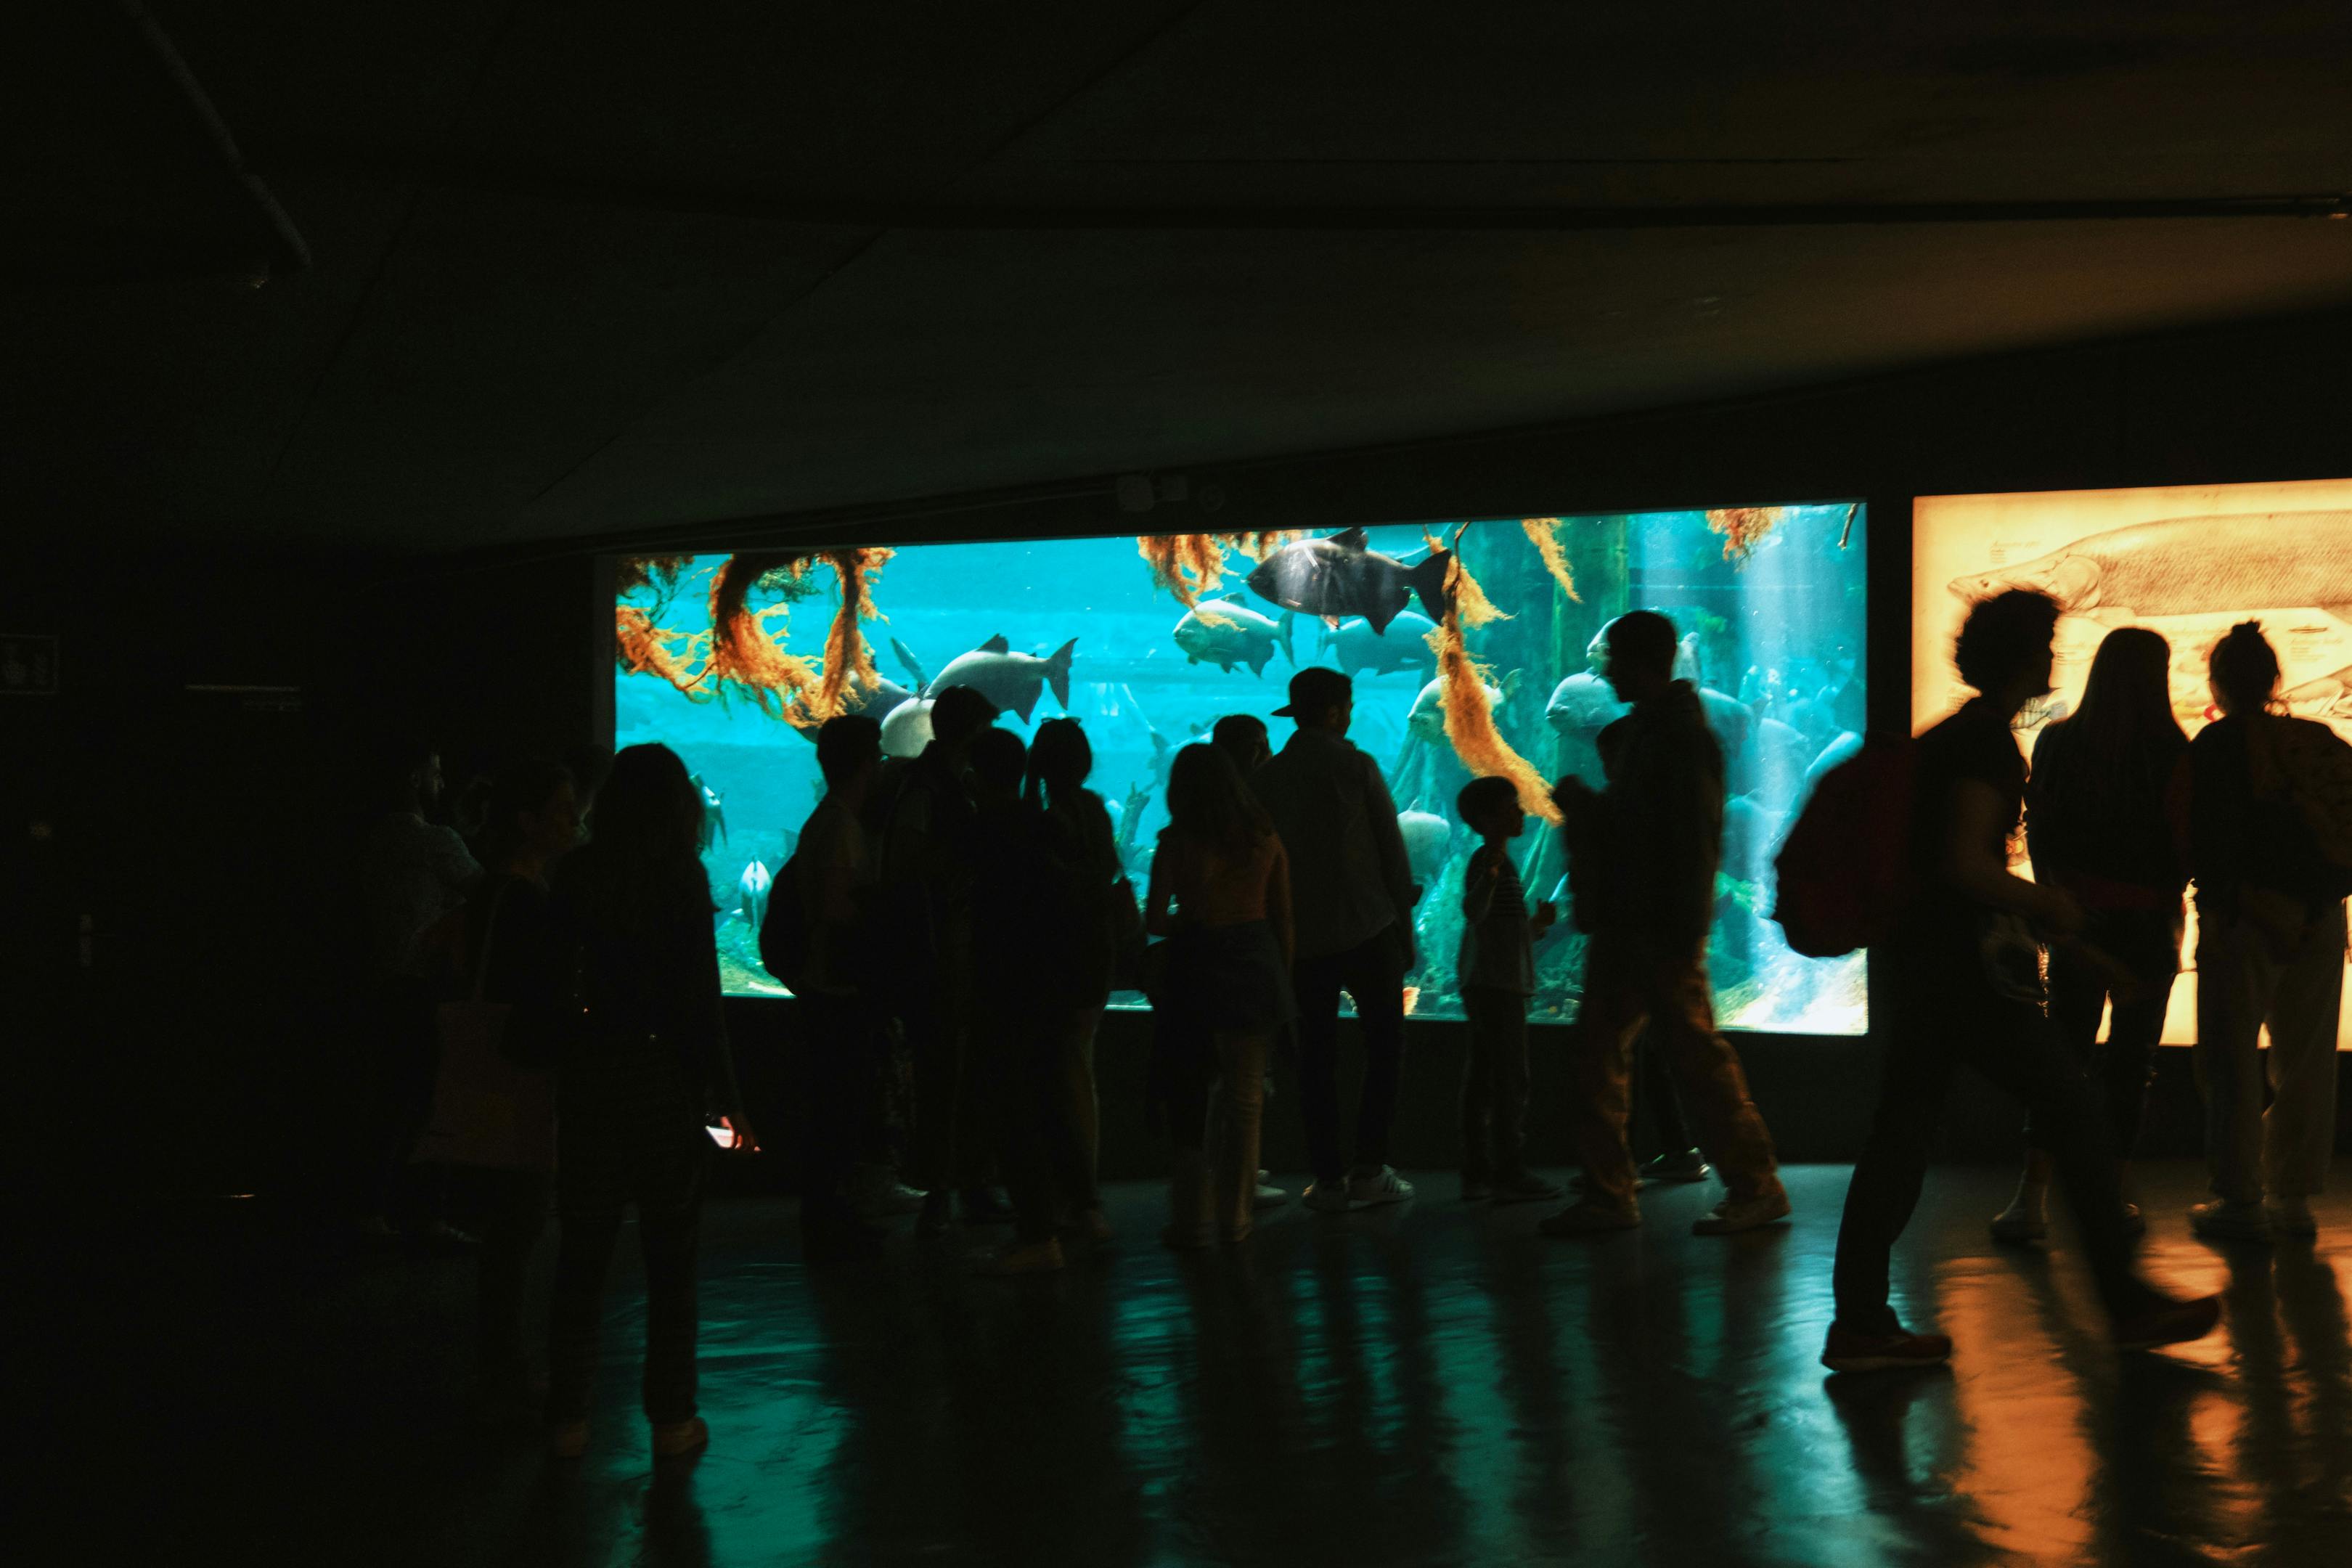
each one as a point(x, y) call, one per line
point(2292, 1215)
point(1381, 1186)
point(1265, 1194)
point(1330, 1198)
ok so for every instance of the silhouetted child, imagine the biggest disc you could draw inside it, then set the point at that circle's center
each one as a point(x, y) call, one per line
point(1496, 969)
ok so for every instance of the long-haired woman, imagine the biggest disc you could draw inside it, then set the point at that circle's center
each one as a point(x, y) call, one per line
point(639, 1075)
point(2270, 948)
point(1221, 892)
point(2096, 825)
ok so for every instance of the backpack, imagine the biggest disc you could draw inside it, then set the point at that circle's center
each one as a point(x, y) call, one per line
point(2316, 766)
point(1844, 872)
point(784, 936)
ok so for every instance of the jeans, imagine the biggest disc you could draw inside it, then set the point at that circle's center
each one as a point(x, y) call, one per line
point(1943, 1015)
point(2285, 970)
point(1372, 972)
point(1627, 986)
point(631, 1131)
point(1220, 1182)
point(2147, 943)
point(1494, 1084)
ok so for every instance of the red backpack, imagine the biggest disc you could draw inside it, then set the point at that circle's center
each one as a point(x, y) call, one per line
point(1844, 870)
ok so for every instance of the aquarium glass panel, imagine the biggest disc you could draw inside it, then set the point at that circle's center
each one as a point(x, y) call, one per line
point(2187, 562)
point(1153, 640)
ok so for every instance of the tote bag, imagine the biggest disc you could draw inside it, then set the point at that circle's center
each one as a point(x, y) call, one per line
point(487, 1111)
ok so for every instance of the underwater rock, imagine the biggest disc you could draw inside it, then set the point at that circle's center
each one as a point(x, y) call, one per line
point(1342, 576)
point(1226, 632)
point(907, 729)
point(1011, 680)
point(1750, 831)
point(1427, 838)
point(1836, 752)
point(1777, 762)
point(1353, 646)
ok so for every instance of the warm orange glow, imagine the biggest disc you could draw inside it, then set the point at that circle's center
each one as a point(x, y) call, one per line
point(2026, 1465)
point(1743, 528)
point(1543, 533)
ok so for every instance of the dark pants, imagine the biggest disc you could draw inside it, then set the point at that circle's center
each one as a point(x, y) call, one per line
point(513, 1217)
point(1494, 1084)
point(840, 1049)
point(2147, 943)
point(1655, 1083)
point(1944, 1015)
point(396, 1027)
point(1372, 972)
point(631, 1132)
point(1042, 1134)
point(948, 1147)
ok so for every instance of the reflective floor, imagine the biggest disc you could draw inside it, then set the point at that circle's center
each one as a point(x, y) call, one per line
point(1428, 1385)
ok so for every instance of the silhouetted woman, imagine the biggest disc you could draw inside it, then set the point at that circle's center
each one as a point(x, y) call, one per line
point(1221, 893)
point(2097, 824)
point(2270, 947)
point(1084, 849)
point(639, 1075)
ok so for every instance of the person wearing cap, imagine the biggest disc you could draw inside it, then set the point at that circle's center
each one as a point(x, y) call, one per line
point(1352, 897)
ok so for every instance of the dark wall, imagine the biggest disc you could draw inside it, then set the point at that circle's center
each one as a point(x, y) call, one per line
point(202, 835)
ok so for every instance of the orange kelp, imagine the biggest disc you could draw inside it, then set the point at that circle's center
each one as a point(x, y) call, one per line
point(1743, 529)
point(1469, 715)
point(742, 653)
point(1192, 566)
point(1469, 602)
point(848, 657)
point(641, 648)
point(1543, 533)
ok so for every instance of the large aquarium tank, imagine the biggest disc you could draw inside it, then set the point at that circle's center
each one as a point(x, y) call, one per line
point(1473, 647)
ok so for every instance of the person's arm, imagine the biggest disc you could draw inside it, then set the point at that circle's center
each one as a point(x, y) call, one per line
point(1484, 875)
point(1974, 864)
point(1157, 917)
point(1277, 905)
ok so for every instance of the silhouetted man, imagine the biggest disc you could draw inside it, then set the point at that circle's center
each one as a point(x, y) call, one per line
point(1352, 903)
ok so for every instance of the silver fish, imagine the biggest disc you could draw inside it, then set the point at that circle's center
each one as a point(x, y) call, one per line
point(1343, 575)
point(2188, 565)
point(754, 887)
point(714, 815)
point(1009, 679)
point(1426, 719)
point(1226, 632)
point(1427, 837)
point(1354, 646)
point(907, 729)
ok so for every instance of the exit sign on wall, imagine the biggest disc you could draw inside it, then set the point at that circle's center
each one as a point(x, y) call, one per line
point(28, 664)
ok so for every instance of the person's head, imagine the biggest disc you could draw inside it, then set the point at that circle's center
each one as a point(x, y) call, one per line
point(409, 772)
point(1490, 806)
point(1208, 801)
point(2243, 669)
point(2004, 648)
point(848, 750)
point(533, 816)
point(997, 759)
point(1060, 759)
point(1641, 648)
point(649, 809)
point(2129, 689)
point(958, 714)
point(1320, 699)
point(1244, 738)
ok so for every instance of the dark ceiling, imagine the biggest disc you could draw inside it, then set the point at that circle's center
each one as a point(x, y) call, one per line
point(578, 269)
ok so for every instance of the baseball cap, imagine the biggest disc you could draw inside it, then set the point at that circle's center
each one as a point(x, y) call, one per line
point(1314, 689)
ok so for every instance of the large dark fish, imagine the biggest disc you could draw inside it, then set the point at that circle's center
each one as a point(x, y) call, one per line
point(2189, 565)
point(1354, 646)
point(1341, 577)
point(1007, 679)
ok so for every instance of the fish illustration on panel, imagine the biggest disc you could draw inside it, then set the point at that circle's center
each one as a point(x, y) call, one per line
point(2328, 697)
point(1354, 647)
point(1011, 680)
point(1226, 632)
point(1342, 575)
point(2184, 565)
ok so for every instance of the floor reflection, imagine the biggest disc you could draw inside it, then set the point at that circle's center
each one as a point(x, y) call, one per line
point(1434, 1383)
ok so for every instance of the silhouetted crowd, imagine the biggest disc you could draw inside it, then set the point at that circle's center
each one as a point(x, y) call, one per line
point(547, 1017)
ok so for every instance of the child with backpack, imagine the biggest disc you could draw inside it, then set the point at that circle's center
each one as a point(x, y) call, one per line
point(1495, 968)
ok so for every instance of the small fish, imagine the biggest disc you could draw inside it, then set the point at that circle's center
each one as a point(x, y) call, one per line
point(2188, 565)
point(907, 729)
point(1426, 719)
point(754, 886)
point(1354, 646)
point(1011, 680)
point(1342, 576)
point(910, 663)
point(714, 817)
point(1427, 838)
point(1226, 632)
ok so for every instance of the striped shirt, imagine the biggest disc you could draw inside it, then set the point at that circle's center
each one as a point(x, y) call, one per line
point(1497, 952)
